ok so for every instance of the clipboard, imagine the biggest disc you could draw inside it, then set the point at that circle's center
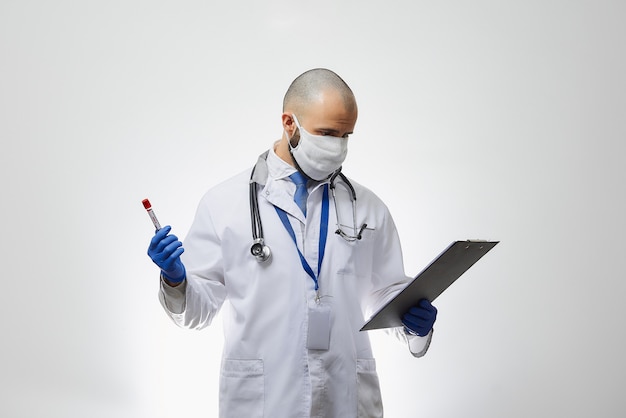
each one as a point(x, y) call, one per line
point(448, 266)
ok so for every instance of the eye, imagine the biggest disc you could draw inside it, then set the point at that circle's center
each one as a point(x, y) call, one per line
point(332, 133)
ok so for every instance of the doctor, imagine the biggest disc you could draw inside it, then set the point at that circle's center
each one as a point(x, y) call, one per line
point(292, 317)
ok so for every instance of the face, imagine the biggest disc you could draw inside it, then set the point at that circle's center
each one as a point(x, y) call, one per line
point(326, 117)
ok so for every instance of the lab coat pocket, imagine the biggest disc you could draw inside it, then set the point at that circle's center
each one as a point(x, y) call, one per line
point(367, 235)
point(241, 389)
point(369, 398)
point(355, 256)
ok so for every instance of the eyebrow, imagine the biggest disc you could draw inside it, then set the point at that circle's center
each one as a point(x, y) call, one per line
point(334, 132)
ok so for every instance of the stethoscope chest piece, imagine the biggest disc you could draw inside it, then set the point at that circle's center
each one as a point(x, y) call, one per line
point(260, 251)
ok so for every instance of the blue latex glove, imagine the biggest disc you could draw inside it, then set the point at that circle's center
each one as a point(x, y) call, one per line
point(165, 250)
point(420, 319)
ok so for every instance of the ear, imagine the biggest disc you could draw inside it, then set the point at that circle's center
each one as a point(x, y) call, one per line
point(288, 123)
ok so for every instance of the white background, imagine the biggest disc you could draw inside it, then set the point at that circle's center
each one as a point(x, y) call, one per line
point(485, 119)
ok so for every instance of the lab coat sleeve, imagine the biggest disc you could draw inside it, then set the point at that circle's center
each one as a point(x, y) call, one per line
point(389, 278)
point(195, 302)
point(173, 298)
point(387, 275)
point(418, 346)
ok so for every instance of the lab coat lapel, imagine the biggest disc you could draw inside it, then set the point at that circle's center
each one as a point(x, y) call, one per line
point(276, 193)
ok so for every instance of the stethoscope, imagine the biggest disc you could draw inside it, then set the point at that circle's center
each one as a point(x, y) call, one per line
point(262, 251)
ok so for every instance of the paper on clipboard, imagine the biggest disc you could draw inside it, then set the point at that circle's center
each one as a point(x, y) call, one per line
point(455, 260)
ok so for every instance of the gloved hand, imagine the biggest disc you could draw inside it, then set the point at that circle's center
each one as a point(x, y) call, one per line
point(419, 320)
point(165, 250)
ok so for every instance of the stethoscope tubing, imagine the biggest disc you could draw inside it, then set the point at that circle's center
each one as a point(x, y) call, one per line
point(259, 249)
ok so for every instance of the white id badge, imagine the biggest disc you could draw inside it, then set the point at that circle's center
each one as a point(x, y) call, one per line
point(319, 327)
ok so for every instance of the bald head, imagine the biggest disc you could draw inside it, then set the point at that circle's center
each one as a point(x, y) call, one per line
point(308, 88)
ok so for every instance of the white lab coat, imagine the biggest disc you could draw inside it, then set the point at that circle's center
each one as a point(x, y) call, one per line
point(267, 370)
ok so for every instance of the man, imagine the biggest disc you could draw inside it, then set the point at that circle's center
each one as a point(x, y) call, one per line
point(293, 313)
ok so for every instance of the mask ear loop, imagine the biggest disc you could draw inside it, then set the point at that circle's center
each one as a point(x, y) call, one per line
point(296, 135)
point(294, 141)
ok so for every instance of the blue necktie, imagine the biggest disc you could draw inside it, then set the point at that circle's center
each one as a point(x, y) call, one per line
point(301, 192)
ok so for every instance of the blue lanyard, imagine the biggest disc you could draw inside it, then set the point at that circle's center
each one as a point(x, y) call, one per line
point(323, 235)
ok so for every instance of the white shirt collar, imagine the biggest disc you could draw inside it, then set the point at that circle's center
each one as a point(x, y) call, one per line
point(277, 167)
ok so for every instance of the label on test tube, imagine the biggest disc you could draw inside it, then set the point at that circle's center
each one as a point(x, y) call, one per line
point(148, 207)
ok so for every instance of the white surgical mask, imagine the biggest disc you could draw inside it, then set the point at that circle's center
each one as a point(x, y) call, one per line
point(318, 156)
